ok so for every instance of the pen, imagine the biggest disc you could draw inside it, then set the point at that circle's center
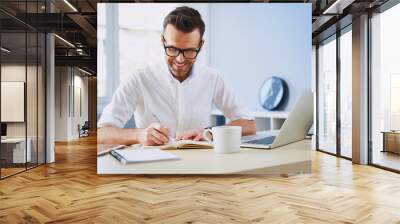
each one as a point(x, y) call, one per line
point(156, 117)
point(117, 156)
point(170, 139)
point(105, 152)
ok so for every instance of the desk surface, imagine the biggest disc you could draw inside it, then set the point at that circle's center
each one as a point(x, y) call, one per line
point(292, 158)
point(13, 140)
point(391, 132)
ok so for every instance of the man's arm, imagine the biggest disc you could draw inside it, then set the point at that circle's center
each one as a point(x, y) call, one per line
point(155, 134)
point(225, 100)
point(248, 126)
point(118, 136)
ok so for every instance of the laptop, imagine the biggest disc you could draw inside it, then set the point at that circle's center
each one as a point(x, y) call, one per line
point(295, 127)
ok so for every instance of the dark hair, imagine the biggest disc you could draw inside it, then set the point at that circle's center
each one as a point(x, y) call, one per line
point(185, 19)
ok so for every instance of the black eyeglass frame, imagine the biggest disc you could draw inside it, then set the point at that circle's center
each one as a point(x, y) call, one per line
point(181, 50)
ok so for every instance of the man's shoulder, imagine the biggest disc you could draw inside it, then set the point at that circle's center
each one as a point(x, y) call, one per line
point(207, 72)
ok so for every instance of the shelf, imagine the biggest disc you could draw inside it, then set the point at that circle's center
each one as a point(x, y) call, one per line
point(265, 120)
point(260, 113)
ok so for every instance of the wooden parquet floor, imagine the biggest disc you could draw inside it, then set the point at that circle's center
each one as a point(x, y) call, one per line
point(70, 191)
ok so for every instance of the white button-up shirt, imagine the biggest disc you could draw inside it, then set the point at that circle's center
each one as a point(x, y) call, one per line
point(152, 94)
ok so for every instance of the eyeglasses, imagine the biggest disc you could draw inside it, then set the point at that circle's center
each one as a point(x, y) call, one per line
point(188, 53)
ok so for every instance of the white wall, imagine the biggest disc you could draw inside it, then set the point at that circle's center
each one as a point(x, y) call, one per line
point(15, 72)
point(33, 126)
point(61, 103)
point(314, 90)
point(251, 42)
point(67, 115)
point(79, 117)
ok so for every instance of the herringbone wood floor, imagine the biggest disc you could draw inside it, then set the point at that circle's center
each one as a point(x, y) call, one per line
point(70, 191)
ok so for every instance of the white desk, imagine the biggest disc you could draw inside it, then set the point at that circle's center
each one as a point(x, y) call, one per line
point(289, 159)
point(18, 149)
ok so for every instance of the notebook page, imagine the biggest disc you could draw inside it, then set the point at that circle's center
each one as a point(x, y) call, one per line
point(145, 155)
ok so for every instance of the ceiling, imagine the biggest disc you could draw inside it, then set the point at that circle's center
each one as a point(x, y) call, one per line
point(76, 20)
point(76, 25)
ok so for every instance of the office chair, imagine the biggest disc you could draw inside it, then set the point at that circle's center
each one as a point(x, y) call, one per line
point(84, 130)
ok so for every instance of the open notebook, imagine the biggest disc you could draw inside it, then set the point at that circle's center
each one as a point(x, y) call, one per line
point(141, 155)
point(187, 144)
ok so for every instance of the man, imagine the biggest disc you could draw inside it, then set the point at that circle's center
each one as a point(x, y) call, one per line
point(175, 98)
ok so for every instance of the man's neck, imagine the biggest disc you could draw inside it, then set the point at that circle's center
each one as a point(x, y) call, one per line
point(182, 78)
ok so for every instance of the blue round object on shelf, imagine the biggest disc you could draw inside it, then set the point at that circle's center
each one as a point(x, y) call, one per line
point(272, 93)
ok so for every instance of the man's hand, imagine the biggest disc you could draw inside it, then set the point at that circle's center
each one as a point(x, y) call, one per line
point(154, 134)
point(195, 135)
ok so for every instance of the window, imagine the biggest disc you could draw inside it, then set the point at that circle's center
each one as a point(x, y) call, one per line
point(346, 92)
point(335, 94)
point(385, 85)
point(22, 65)
point(327, 95)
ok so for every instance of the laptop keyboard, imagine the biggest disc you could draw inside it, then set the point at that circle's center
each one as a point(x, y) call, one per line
point(262, 141)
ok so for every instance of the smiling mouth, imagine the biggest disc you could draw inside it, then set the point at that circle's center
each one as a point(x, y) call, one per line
point(179, 65)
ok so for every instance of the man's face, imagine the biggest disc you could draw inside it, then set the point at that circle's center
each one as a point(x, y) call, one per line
point(180, 65)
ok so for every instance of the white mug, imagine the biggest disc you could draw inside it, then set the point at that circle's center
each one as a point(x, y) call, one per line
point(226, 139)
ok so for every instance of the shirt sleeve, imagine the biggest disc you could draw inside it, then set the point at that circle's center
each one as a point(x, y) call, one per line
point(123, 104)
point(225, 100)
